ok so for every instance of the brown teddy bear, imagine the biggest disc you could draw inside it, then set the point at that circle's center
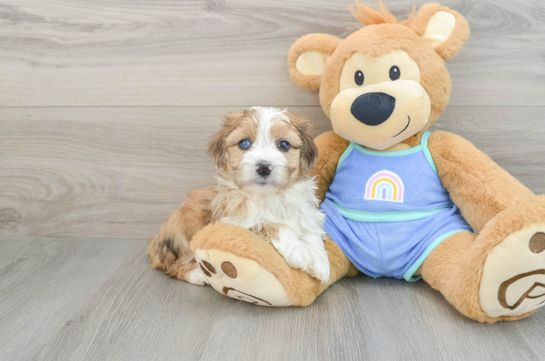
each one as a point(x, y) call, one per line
point(399, 201)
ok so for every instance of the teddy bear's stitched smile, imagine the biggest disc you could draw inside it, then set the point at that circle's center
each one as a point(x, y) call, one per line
point(409, 122)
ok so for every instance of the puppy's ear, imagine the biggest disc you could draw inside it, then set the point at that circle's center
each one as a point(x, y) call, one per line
point(308, 57)
point(444, 29)
point(309, 151)
point(217, 149)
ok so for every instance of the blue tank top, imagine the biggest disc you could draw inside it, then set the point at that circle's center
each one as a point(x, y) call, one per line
point(371, 186)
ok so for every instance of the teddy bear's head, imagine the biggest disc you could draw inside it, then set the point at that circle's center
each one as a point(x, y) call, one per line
point(387, 82)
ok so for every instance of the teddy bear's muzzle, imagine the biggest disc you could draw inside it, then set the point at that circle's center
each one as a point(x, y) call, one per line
point(373, 108)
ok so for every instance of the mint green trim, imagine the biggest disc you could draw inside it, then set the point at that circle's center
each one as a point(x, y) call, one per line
point(408, 276)
point(346, 153)
point(424, 144)
point(381, 217)
point(396, 153)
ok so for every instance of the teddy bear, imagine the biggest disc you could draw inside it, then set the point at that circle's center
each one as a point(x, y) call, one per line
point(399, 201)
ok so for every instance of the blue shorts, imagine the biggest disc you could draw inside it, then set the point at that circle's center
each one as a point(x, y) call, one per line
point(391, 249)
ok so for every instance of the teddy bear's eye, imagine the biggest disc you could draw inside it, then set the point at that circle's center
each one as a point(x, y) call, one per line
point(358, 78)
point(394, 72)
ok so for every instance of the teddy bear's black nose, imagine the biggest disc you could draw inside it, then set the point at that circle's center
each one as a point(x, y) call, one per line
point(373, 108)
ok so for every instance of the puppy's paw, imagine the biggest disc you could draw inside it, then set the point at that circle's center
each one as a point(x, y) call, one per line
point(197, 277)
point(292, 249)
point(296, 255)
point(319, 267)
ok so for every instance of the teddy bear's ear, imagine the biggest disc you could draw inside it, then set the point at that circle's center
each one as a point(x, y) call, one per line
point(444, 29)
point(308, 57)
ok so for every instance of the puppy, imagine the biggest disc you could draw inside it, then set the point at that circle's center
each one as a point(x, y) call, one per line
point(264, 157)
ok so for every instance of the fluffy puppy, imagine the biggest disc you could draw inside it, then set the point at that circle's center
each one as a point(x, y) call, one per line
point(264, 157)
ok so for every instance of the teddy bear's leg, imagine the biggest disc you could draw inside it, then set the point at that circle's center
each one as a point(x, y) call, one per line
point(241, 265)
point(498, 274)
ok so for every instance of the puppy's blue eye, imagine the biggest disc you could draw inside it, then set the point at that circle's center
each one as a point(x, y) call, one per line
point(284, 146)
point(244, 144)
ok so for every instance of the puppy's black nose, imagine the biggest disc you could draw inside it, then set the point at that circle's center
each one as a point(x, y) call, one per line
point(263, 169)
point(373, 108)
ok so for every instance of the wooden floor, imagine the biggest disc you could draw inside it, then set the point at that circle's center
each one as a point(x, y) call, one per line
point(105, 110)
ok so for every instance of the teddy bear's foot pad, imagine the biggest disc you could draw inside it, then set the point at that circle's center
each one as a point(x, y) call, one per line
point(513, 281)
point(241, 278)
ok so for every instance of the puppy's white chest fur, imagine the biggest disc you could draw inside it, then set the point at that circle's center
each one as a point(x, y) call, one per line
point(288, 207)
point(294, 213)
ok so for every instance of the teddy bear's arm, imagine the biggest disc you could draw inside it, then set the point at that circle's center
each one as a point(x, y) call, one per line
point(477, 185)
point(330, 149)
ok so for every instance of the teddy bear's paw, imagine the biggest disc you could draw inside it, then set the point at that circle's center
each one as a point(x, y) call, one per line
point(513, 281)
point(241, 278)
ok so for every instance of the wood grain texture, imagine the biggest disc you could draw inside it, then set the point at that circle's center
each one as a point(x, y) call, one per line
point(105, 111)
point(102, 172)
point(65, 299)
point(233, 53)
point(119, 172)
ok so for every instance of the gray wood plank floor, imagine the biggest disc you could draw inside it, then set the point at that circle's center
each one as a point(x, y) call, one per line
point(66, 299)
point(105, 111)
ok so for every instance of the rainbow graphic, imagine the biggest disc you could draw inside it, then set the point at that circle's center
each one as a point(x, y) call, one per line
point(385, 186)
